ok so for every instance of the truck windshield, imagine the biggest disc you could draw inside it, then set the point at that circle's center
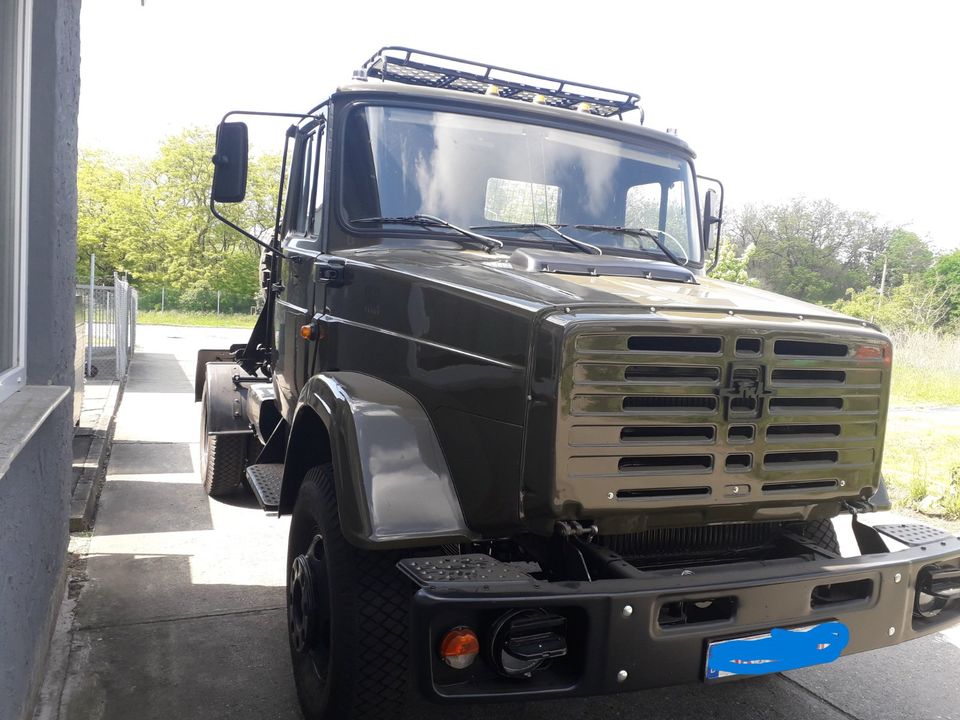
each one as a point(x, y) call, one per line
point(486, 172)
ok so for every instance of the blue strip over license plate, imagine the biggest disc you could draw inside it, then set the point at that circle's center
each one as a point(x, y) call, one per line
point(778, 650)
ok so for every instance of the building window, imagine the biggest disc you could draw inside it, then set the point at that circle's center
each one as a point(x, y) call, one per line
point(14, 142)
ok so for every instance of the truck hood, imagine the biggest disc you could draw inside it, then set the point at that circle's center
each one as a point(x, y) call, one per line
point(495, 278)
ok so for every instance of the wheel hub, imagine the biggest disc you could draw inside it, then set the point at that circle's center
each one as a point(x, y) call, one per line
point(302, 603)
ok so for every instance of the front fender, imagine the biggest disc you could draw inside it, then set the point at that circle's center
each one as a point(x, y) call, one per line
point(393, 485)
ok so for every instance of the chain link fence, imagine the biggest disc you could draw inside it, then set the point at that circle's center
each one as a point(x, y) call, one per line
point(110, 327)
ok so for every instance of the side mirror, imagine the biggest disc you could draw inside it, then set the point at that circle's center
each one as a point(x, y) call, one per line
point(230, 163)
point(711, 221)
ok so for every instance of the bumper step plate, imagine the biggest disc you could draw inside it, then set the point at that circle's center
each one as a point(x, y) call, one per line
point(471, 568)
point(912, 534)
point(265, 482)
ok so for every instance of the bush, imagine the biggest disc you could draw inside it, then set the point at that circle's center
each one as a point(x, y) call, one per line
point(196, 299)
point(915, 305)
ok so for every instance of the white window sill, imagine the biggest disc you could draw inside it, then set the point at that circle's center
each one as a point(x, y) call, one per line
point(22, 414)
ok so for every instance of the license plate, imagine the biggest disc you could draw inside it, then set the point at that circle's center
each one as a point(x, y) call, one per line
point(778, 650)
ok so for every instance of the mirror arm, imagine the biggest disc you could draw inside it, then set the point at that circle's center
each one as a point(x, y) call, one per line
point(274, 244)
point(233, 225)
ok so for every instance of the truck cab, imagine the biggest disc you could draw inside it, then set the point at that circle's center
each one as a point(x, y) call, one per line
point(516, 425)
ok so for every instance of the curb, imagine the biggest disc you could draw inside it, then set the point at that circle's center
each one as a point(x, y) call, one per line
point(83, 502)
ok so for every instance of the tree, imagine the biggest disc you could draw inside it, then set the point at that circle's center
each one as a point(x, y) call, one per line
point(914, 305)
point(945, 275)
point(808, 249)
point(152, 220)
point(906, 255)
point(733, 267)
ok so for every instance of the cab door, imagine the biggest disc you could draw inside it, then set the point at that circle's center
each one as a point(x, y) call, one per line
point(294, 307)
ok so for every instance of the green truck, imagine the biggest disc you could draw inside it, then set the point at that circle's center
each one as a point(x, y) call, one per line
point(529, 448)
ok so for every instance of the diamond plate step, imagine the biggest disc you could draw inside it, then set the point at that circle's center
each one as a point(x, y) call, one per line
point(912, 534)
point(470, 568)
point(265, 482)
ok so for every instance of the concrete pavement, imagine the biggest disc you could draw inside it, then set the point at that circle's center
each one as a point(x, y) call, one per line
point(181, 614)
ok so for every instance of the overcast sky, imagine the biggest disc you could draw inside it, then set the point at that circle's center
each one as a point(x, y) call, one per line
point(852, 101)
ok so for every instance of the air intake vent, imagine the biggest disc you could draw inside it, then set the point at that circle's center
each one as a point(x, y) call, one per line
point(815, 457)
point(690, 344)
point(670, 403)
point(662, 464)
point(819, 377)
point(749, 346)
point(673, 374)
point(808, 403)
point(657, 434)
point(802, 432)
point(799, 486)
point(652, 493)
point(802, 348)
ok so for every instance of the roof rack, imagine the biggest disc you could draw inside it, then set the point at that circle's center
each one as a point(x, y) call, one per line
point(418, 67)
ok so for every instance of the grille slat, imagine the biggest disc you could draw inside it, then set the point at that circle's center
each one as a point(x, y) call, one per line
point(673, 374)
point(655, 434)
point(655, 403)
point(687, 344)
point(665, 464)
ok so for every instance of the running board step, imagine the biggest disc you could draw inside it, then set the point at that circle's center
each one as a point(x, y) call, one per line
point(265, 482)
point(912, 534)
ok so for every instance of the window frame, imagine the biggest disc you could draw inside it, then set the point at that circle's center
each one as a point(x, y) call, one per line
point(14, 378)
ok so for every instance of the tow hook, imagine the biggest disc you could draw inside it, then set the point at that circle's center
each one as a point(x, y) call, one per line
point(936, 587)
point(524, 641)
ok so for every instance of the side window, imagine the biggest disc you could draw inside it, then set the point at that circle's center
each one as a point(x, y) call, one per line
point(305, 194)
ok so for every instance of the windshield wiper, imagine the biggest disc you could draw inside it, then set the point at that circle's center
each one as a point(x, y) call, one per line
point(579, 244)
point(429, 221)
point(638, 232)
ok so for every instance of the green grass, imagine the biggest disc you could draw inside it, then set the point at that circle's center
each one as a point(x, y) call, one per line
point(918, 386)
point(196, 319)
point(926, 369)
point(921, 459)
point(921, 463)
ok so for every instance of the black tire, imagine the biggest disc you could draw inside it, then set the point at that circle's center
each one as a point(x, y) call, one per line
point(222, 458)
point(350, 655)
point(823, 534)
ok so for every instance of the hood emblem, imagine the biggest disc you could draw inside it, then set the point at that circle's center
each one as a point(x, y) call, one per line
point(745, 391)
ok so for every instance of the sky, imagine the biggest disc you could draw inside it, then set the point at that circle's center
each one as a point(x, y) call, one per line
point(852, 101)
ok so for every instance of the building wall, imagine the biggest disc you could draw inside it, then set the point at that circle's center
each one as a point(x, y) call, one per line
point(34, 491)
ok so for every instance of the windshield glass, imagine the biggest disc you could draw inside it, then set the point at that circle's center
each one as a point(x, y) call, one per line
point(480, 171)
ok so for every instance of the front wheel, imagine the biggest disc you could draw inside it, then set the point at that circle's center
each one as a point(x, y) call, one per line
point(346, 614)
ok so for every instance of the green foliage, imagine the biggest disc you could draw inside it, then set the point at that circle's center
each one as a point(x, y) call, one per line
point(914, 305)
point(733, 267)
point(945, 276)
point(808, 249)
point(906, 254)
point(151, 220)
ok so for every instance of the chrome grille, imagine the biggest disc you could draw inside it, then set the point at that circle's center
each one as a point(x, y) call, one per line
point(735, 413)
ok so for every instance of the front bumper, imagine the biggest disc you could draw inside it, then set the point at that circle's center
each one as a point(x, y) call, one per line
point(617, 642)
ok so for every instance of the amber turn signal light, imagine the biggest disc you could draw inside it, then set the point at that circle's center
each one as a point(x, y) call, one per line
point(312, 331)
point(460, 648)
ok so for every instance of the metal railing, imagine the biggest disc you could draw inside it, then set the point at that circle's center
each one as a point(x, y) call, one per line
point(111, 327)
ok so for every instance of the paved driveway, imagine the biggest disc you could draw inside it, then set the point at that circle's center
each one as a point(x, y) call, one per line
point(181, 617)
